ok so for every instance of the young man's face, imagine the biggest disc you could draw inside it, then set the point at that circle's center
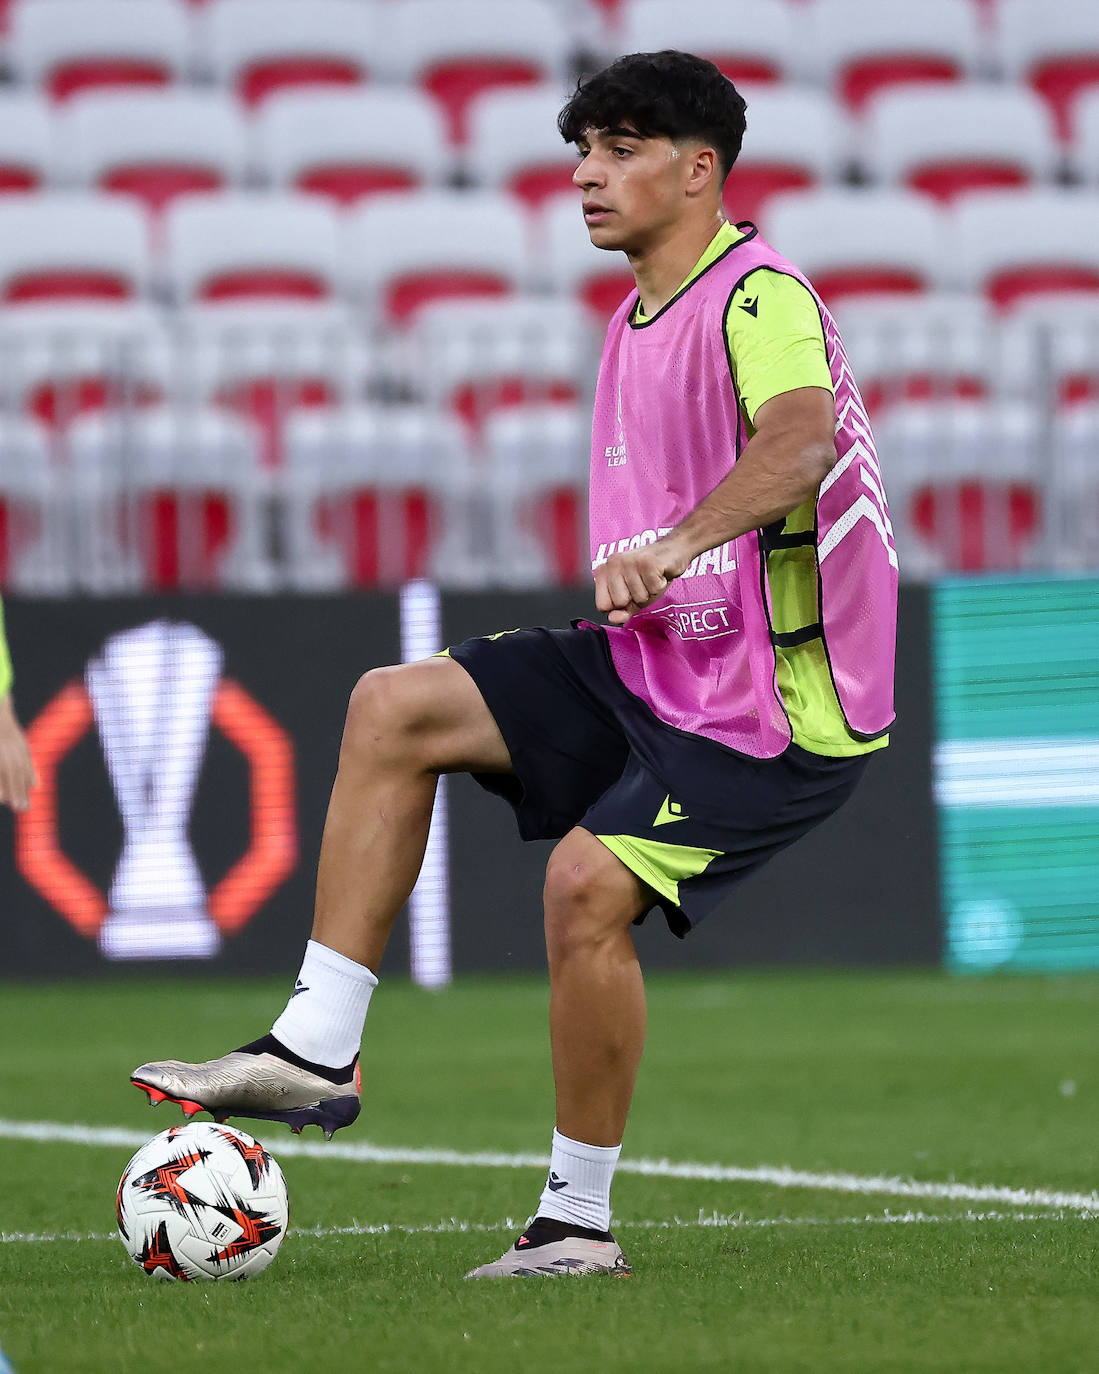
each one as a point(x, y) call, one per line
point(634, 189)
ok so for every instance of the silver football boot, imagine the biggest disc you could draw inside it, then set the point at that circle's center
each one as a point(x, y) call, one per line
point(261, 1086)
point(572, 1255)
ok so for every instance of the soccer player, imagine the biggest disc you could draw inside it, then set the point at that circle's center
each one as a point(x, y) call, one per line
point(16, 769)
point(743, 557)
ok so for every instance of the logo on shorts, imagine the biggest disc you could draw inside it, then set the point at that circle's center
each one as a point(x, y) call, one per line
point(670, 811)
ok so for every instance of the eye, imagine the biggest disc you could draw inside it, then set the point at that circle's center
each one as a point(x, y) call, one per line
point(622, 151)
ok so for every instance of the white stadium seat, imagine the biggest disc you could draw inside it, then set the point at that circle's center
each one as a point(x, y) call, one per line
point(345, 144)
point(402, 251)
point(69, 46)
point(757, 43)
point(368, 496)
point(71, 246)
point(1054, 48)
point(797, 138)
point(154, 145)
point(33, 537)
point(858, 47)
point(185, 485)
point(1074, 520)
point(514, 144)
point(568, 261)
point(1084, 152)
point(952, 140)
point(252, 246)
point(28, 154)
point(860, 242)
point(538, 458)
point(1014, 244)
point(258, 47)
point(965, 484)
point(457, 51)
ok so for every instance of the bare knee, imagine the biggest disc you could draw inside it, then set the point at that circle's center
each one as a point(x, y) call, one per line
point(380, 716)
point(590, 897)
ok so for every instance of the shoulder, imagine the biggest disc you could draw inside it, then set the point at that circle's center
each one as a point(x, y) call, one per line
point(768, 303)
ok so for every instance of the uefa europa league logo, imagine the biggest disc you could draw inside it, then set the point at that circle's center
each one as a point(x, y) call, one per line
point(151, 691)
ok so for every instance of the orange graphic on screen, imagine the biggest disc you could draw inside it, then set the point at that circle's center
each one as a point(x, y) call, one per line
point(273, 845)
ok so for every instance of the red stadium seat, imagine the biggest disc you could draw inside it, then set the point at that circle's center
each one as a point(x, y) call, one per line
point(1054, 48)
point(799, 139)
point(368, 494)
point(758, 45)
point(260, 47)
point(861, 47)
point(27, 154)
point(155, 145)
point(404, 251)
point(69, 247)
point(885, 243)
point(69, 46)
point(458, 52)
point(948, 142)
point(240, 246)
point(514, 144)
point(340, 144)
point(1014, 245)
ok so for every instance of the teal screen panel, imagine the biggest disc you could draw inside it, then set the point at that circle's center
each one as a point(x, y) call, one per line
point(1016, 772)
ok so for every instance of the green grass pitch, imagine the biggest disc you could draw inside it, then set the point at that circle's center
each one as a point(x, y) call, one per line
point(849, 1079)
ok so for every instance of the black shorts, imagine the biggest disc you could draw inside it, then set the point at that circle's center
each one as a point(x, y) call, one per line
point(690, 817)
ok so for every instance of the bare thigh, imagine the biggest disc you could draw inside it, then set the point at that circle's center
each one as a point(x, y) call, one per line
point(431, 709)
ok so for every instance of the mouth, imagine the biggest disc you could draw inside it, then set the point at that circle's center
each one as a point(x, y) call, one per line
point(594, 213)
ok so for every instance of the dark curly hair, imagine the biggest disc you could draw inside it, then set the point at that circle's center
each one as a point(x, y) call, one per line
point(669, 93)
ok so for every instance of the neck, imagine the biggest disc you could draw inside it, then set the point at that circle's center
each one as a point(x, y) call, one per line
point(659, 271)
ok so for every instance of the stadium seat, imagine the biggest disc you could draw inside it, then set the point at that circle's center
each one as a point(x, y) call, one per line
point(62, 246)
point(367, 496)
point(402, 251)
point(266, 361)
point(965, 484)
point(170, 499)
point(27, 154)
point(1084, 150)
point(479, 357)
point(458, 51)
point(859, 47)
point(33, 552)
point(797, 138)
point(1074, 518)
point(1014, 244)
point(59, 362)
point(344, 144)
point(879, 242)
point(568, 262)
point(1054, 48)
point(154, 145)
point(514, 144)
point(1052, 347)
point(947, 142)
point(258, 47)
point(538, 457)
point(937, 347)
point(758, 43)
point(241, 246)
point(69, 46)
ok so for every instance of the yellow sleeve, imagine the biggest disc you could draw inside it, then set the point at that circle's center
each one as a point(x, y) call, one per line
point(776, 339)
point(5, 658)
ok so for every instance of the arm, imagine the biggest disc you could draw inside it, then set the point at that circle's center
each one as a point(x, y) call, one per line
point(790, 454)
point(16, 769)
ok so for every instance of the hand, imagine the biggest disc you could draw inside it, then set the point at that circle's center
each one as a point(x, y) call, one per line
point(17, 774)
point(628, 582)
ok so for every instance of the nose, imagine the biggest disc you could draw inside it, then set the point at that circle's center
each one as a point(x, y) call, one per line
point(587, 173)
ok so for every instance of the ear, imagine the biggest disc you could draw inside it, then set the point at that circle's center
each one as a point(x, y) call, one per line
point(702, 172)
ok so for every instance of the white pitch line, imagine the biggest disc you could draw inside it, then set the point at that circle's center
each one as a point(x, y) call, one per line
point(53, 1132)
point(704, 1221)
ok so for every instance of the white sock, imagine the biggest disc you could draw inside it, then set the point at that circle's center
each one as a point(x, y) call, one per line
point(323, 1020)
point(578, 1189)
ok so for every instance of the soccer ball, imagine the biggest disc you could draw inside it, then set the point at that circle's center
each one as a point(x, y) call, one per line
point(202, 1201)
